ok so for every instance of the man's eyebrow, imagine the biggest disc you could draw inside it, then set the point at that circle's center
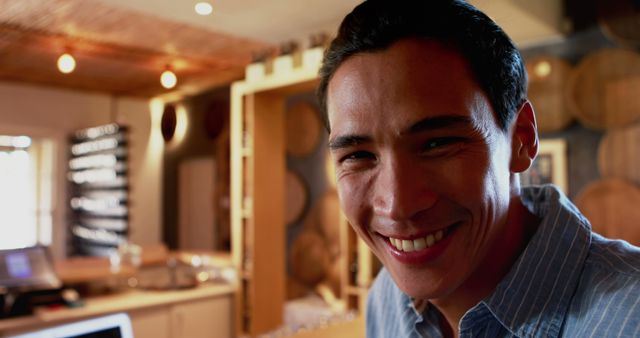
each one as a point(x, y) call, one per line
point(439, 122)
point(348, 141)
point(429, 123)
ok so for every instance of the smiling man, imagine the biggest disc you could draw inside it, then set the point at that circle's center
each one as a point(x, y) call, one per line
point(425, 102)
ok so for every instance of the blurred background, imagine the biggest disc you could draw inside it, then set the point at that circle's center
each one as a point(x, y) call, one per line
point(171, 153)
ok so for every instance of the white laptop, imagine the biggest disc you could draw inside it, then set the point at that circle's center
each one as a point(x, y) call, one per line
point(111, 326)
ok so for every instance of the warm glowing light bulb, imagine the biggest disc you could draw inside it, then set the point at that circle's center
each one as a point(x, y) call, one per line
point(66, 63)
point(168, 79)
point(542, 69)
point(203, 8)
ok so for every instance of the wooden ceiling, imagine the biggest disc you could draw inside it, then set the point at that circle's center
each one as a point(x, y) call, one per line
point(119, 51)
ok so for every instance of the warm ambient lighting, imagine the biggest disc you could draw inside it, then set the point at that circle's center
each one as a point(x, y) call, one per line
point(542, 69)
point(168, 79)
point(66, 63)
point(204, 8)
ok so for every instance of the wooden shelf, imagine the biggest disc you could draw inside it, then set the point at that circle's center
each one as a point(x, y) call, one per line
point(258, 167)
point(355, 290)
point(247, 208)
point(247, 152)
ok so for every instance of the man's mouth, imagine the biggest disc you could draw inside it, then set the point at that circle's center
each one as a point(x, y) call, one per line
point(422, 242)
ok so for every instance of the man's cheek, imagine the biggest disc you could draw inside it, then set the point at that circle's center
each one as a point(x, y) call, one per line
point(352, 200)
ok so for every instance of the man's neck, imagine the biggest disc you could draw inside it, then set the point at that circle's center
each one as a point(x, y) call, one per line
point(519, 229)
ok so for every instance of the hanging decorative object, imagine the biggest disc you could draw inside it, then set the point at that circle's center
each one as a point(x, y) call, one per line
point(168, 122)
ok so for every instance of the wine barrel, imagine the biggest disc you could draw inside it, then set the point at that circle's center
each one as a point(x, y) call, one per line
point(297, 197)
point(611, 205)
point(547, 80)
point(335, 273)
point(296, 289)
point(309, 257)
point(619, 153)
point(619, 20)
point(329, 220)
point(603, 89)
point(302, 129)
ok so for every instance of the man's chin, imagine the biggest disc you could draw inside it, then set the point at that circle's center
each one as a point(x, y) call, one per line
point(424, 290)
point(421, 294)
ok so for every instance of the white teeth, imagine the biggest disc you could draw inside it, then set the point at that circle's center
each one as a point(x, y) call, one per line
point(417, 244)
point(430, 240)
point(397, 243)
point(407, 245)
point(439, 235)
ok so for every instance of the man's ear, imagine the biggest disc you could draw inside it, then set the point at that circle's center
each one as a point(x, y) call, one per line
point(524, 141)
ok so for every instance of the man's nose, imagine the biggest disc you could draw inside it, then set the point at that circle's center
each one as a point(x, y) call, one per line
point(402, 190)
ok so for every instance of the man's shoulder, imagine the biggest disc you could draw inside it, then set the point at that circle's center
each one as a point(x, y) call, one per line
point(607, 300)
point(612, 267)
point(611, 271)
point(615, 258)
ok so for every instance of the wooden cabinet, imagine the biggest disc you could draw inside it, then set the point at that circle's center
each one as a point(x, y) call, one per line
point(152, 322)
point(258, 167)
point(201, 318)
point(206, 311)
point(206, 318)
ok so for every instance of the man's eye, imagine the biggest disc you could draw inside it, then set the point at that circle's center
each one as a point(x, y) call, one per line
point(357, 155)
point(441, 143)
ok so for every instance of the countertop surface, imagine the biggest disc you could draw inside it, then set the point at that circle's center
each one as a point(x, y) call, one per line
point(122, 301)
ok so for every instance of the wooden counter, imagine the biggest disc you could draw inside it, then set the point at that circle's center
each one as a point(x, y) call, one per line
point(174, 313)
point(350, 329)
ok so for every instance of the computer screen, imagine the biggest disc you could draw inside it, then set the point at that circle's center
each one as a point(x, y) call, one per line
point(111, 326)
point(27, 269)
point(113, 332)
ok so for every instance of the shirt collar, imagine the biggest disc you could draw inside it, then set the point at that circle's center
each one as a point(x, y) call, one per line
point(534, 296)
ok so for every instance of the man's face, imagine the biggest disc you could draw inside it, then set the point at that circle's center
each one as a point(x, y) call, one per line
point(422, 167)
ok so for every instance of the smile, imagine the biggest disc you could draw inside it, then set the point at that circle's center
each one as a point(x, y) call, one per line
point(423, 248)
point(418, 243)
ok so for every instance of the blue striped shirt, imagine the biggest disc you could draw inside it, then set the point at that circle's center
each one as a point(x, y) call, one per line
point(568, 282)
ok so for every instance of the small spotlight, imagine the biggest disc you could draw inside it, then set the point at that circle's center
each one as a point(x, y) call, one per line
point(168, 79)
point(203, 8)
point(542, 69)
point(66, 63)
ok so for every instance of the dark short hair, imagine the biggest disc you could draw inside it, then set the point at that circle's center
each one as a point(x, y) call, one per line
point(374, 25)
